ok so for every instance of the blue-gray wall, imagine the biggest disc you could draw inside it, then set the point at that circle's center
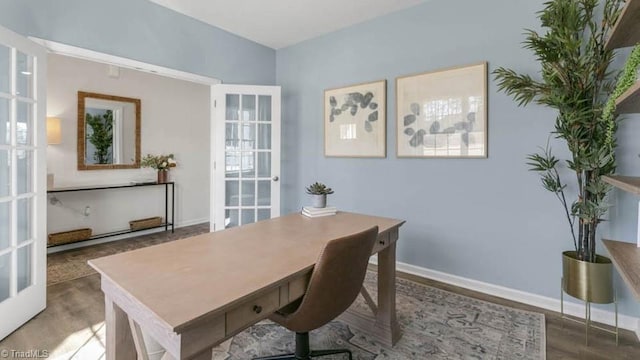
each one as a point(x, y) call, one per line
point(144, 31)
point(488, 219)
point(483, 219)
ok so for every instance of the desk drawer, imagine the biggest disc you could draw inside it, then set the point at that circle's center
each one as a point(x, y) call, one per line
point(253, 310)
point(381, 242)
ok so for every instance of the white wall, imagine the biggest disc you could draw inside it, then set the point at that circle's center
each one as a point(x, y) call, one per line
point(175, 119)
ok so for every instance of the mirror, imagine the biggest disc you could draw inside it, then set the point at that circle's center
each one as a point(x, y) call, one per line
point(108, 132)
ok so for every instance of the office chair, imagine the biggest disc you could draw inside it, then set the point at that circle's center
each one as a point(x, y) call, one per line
point(335, 283)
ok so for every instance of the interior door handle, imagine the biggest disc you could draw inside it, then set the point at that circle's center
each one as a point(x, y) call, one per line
point(275, 178)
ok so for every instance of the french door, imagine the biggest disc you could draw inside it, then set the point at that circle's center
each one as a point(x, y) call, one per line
point(22, 180)
point(245, 155)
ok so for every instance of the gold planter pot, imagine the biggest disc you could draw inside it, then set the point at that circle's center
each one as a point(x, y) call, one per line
point(591, 282)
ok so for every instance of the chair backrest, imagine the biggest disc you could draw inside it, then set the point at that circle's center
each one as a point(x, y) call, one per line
point(335, 282)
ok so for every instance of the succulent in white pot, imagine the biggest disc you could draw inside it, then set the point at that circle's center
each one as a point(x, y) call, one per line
point(318, 192)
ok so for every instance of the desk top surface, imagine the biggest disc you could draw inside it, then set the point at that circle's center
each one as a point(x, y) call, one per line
point(184, 280)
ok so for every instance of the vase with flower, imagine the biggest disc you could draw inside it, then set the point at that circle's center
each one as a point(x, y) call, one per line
point(161, 163)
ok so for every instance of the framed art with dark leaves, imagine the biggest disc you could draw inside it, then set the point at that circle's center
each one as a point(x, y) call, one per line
point(355, 120)
point(443, 113)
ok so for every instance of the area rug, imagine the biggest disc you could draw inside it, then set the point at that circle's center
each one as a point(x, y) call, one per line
point(436, 324)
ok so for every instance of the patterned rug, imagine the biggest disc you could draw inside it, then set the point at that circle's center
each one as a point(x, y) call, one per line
point(436, 324)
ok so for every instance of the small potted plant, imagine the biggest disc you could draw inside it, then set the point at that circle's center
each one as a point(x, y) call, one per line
point(161, 163)
point(319, 192)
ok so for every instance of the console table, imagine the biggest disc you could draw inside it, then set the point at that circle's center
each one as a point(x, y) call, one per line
point(167, 224)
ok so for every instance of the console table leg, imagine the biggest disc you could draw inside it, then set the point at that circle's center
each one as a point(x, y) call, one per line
point(120, 343)
point(166, 207)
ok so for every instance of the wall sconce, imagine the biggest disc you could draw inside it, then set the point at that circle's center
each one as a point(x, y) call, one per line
point(54, 131)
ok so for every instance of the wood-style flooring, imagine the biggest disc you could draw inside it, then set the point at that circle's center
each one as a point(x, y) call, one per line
point(75, 315)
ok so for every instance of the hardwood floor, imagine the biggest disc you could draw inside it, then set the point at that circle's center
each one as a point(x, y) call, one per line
point(75, 313)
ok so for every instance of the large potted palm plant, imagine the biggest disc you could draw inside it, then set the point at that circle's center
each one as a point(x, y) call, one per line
point(576, 80)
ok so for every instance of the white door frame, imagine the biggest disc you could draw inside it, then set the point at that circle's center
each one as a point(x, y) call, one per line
point(22, 306)
point(112, 60)
point(218, 132)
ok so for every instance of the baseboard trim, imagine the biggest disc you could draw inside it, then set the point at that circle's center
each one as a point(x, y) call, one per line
point(598, 315)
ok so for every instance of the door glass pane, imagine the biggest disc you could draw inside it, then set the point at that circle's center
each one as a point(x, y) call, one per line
point(24, 220)
point(5, 122)
point(264, 137)
point(230, 218)
point(248, 108)
point(5, 224)
point(248, 169)
point(232, 137)
point(264, 214)
point(248, 216)
point(232, 164)
point(5, 69)
point(24, 267)
point(264, 193)
point(264, 164)
point(25, 176)
point(248, 136)
point(248, 193)
point(232, 193)
point(24, 75)
point(264, 108)
point(5, 173)
point(233, 105)
point(5, 272)
point(24, 128)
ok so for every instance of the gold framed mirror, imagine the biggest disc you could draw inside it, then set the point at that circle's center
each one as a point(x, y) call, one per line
point(108, 132)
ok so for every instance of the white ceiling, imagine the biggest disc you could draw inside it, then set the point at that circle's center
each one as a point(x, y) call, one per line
point(280, 23)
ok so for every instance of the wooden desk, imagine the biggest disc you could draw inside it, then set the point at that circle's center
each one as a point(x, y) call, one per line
point(192, 294)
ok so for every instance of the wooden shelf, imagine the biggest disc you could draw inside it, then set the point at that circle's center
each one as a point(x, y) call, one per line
point(629, 101)
point(627, 183)
point(626, 31)
point(626, 258)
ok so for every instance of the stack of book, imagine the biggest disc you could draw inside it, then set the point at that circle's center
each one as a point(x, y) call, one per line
point(318, 212)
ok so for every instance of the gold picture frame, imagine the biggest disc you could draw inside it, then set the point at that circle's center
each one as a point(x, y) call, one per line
point(443, 113)
point(355, 122)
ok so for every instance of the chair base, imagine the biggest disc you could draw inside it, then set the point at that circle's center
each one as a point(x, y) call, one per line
point(304, 353)
point(312, 354)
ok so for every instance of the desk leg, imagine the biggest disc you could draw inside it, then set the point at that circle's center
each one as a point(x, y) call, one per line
point(386, 316)
point(120, 344)
point(383, 326)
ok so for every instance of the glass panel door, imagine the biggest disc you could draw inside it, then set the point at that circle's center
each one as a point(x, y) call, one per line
point(247, 153)
point(22, 167)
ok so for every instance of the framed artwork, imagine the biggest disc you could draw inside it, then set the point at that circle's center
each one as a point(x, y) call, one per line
point(443, 114)
point(355, 120)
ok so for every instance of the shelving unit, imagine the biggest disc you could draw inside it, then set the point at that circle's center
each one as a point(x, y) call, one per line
point(166, 225)
point(626, 31)
point(629, 101)
point(625, 255)
point(629, 184)
point(626, 258)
